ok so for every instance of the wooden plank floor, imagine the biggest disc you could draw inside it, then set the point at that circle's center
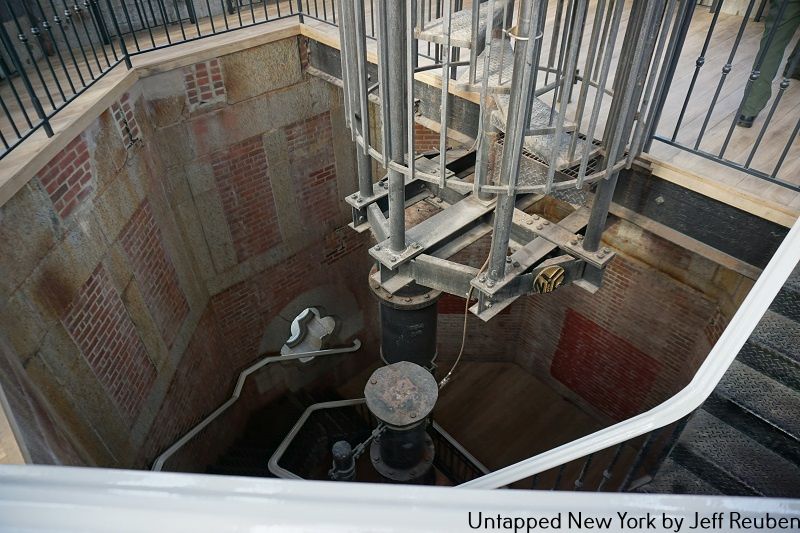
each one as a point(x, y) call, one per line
point(502, 414)
point(771, 146)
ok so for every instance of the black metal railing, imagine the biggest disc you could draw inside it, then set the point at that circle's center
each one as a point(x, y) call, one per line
point(51, 51)
point(620, 468)
point(728, 75)
point(452, 460)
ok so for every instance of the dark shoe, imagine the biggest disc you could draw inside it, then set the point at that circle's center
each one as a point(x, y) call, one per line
point(745, 122)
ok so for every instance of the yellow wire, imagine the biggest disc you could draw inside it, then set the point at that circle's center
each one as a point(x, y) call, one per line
point(446, 379)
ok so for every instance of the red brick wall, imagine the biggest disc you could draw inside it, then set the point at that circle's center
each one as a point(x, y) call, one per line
point(204, 83)
point(623, 349)
point(425, 139)
point(244, 310)
point(67, 178)
point(155, 273)
point(100, 325)
point(201, 382)
point(122, 112)
point(242, 177)
point(604, 369)
point(312, 167)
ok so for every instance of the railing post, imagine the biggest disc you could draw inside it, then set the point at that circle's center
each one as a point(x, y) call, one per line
point(37, 105)
point(300, 11)
point(124, 49)
point(679, 32)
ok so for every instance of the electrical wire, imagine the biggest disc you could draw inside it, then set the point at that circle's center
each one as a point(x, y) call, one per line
point(445, 380)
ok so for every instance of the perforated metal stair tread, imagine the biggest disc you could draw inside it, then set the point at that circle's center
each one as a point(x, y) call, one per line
point(501, 67)
point(673, 478)
point(779, 333)
point(710, 444)
point(542, 145)
point(460, 27)
point(763, 397)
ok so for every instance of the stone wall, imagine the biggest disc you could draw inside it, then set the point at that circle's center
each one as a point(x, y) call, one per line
point(166, 248)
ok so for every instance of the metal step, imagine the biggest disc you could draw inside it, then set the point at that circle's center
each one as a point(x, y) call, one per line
point(460, 27)
point(501, 67)
point(779, 333)
point(757, 429)
point(772, 363)
point(787, 302)
point(672, 478)
point(542, 145)
point(732, 462)
point(762, 397)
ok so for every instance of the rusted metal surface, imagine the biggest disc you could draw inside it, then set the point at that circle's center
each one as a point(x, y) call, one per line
point(401, 394)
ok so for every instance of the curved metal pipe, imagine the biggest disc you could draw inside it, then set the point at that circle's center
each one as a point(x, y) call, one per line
point(169, 452)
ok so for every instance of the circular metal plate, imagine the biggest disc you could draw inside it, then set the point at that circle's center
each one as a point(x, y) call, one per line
point(401, 394)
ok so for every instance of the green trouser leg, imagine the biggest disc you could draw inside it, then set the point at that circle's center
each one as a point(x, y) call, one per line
point(761, 89)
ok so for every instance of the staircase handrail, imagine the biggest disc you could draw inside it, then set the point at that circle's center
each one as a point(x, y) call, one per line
point(687, 399)
point(169, 452)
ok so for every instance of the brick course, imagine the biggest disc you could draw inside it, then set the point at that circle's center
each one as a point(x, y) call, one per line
point(202, 380)
point(204, 84)
point(67, 178)
point(242, 177)
point(155, 274)
point(604, 369)
point(312, 167)
point(661, 320)
point(425, 139)
point(100, 325)
point(125, 120)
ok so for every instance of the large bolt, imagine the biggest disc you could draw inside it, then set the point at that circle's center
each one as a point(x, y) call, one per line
point(508, 259)
point(416, 246)
point(374, 381)
point(394, 259)
point(377, 248)
point(606, 250)
point(490, 283)
point(535, 217)
point(573, 242)
point(539, 227)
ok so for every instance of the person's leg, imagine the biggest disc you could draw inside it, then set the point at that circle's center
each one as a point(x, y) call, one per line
point(760, 90)
point(793, 72)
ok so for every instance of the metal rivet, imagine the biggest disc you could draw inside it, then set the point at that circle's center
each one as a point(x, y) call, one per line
point(535, 217)
point(546, 222)
point(573, 242)
point(377, 248)
point(508, 259)
point(413, 415)
point(394, 259)
point(516, 264)
point(529, 222)
point(427, 296)
point(439, 200)
point(373, 381)
point(539, 226)
point(416, 246)
point(354, 196)
point(482, 278)
point(606, 250)
point(389, 296)
point(408, 299)
point(489, 304)
point(490, 283)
